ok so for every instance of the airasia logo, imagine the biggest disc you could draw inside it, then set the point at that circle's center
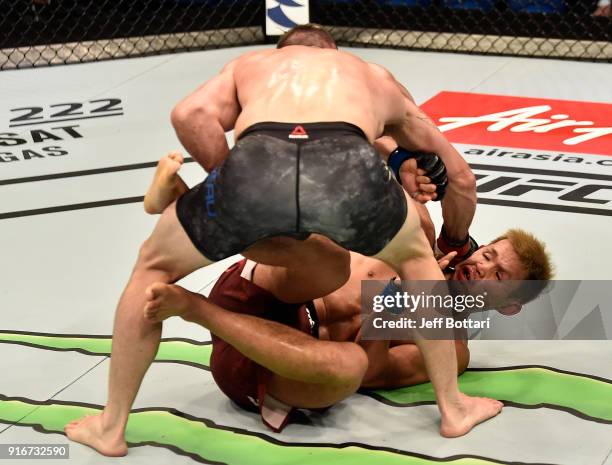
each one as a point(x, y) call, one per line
point(523, 122)
point(523, 116)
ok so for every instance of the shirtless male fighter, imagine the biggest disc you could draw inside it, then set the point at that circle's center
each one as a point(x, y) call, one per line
point(302, 183)
point(251, 290)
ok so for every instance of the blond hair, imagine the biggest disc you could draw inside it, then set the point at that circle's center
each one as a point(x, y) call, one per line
point(535, 259)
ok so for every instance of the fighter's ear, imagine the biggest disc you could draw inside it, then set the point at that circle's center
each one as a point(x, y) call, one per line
point(511, 309)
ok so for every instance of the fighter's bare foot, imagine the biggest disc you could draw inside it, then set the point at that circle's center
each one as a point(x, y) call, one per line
point(90, 431)
point(166, 300)
point(167, 186)
point(469, 412)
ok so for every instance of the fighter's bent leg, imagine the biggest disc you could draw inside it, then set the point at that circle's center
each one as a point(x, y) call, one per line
point(411, 256)
point(166, 256)
point(299, 271)
point(306, 372)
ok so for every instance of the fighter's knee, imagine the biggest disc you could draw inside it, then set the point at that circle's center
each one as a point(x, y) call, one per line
point(340, 267)
point(333, 265)
point(349, 370)
point(359, 364)
point(150, 259)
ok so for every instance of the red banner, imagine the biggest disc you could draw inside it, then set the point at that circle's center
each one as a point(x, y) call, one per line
point(530, 123)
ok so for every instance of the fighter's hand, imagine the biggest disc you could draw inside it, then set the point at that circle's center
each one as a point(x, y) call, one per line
point(436, 181)
point(418, 186)
point(446, 259)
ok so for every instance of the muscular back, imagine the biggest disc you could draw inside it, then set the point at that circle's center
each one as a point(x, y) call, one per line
point(298, 84)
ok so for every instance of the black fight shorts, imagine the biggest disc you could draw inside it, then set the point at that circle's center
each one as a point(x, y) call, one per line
point(286, 179)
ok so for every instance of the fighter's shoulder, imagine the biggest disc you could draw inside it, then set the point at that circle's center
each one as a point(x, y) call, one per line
point(386, 74)
point(381, 71)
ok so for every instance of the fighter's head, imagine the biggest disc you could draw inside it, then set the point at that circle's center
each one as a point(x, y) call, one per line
point(516, 255)
point(311, 35)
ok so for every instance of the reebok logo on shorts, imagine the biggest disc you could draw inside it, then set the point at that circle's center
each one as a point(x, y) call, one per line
point(298, 133)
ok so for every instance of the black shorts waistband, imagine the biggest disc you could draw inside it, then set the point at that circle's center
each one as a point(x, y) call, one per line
point(304, 131)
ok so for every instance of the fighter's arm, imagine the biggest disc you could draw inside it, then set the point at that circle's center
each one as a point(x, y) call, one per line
point(201, 119)
point(413, 179)
point(416, 131)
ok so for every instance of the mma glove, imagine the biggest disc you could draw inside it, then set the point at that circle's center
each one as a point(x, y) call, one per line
point(433, 166)
point(464, 248)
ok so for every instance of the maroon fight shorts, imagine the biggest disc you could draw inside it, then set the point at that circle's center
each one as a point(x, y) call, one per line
point(241, 379)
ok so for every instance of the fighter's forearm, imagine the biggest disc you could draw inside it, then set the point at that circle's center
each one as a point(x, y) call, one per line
point(202, 135)
point(419, 132)
point(459, 203)
point(458, 208)
point(201, 119)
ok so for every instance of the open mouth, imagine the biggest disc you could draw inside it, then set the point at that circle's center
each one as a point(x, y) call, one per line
point(465, 273)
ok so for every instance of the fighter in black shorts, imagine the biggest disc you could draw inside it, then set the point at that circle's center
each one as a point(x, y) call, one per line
point(322, 178)
point(307, 79)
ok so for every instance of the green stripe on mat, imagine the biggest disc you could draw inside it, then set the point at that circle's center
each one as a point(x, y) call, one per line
point(529, 386)
point(524, 386)
point(207, 442)
point(169, 350)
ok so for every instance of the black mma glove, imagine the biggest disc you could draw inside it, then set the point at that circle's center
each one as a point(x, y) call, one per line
point(429, 162)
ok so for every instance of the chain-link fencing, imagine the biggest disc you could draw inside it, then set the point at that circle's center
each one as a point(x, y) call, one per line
point(542, 28)
point(48, 32)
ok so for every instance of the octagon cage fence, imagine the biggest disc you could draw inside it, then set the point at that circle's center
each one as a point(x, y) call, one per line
point(50, 32)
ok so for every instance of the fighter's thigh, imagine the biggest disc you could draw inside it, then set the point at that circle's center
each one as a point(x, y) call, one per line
point(170, 249)
point(300, 394)
point(409, 242)
point(288, 252)
point(309, 269)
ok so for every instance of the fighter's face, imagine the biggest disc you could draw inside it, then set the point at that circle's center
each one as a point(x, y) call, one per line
point(496, 261)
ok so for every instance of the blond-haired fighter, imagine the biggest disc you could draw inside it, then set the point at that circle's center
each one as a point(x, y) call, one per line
point(302, 184)
point(303, 351)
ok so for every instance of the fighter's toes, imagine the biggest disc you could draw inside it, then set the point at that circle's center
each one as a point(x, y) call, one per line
point(493, 406)
point(497, 404)
point(176, 156)
point(74, 424)
point(150, 313)
point(155, 291)
point(153, 304)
